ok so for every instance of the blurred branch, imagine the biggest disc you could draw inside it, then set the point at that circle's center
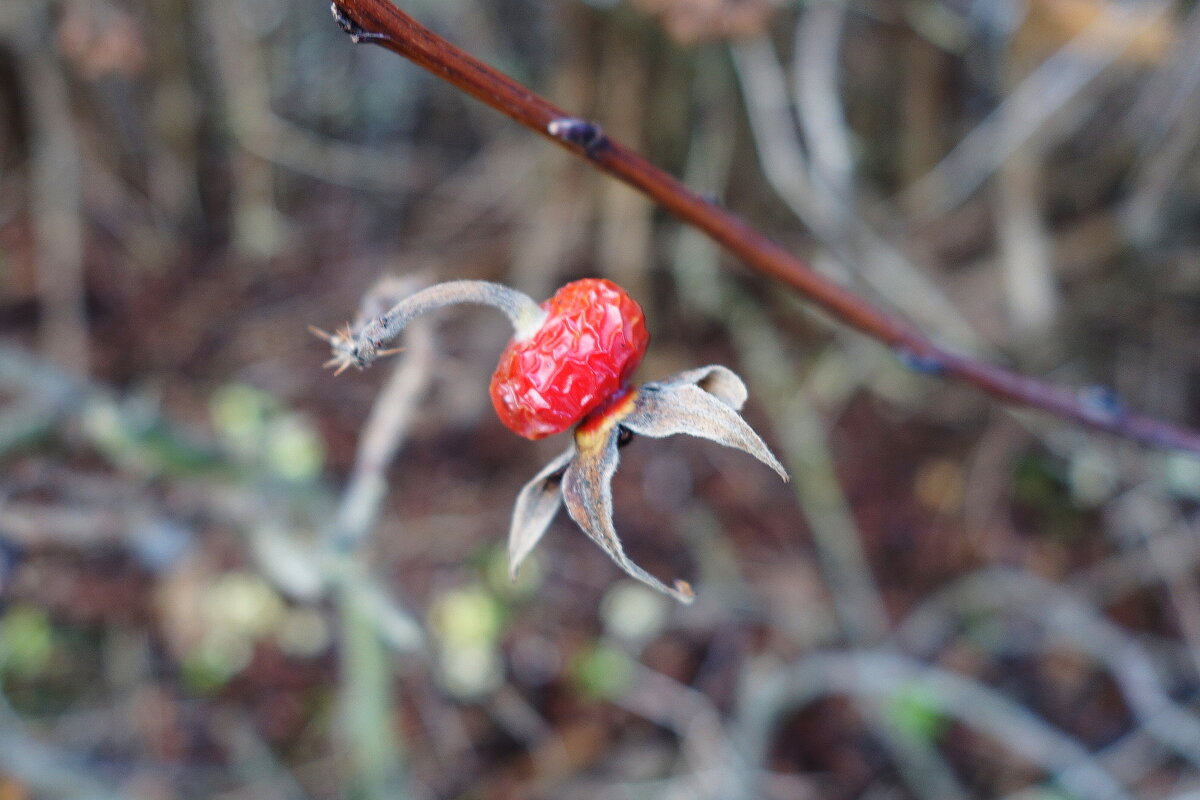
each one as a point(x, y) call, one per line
point(1166, 124)
point(1168, 92)
point(1077, 623)
point(373, 624)
point(56, 194)
point(272, 138)
point(47, 770)
point(881, 676)
point(856, 597)
point(826, 208)
point(1033, 107)
point(817, 95)
point(39, 396)
point(380, 22)
point(714, 768)
point(1025, 248)
point(255, 761)
point(1130, 759)
point(804, 436)
point(388, 424)
point(372, 744)
point(1145, 518)
point(1176, 554)
point(861, 610)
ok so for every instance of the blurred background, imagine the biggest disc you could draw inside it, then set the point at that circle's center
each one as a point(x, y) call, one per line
point(201, 597)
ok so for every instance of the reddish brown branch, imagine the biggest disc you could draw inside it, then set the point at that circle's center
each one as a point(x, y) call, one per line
point(380, 22)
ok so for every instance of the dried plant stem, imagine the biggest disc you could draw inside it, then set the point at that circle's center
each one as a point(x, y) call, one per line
point(387, 426)
point(380, 22)
point(372, 744)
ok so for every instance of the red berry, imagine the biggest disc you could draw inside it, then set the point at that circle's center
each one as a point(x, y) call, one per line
point(583, 354)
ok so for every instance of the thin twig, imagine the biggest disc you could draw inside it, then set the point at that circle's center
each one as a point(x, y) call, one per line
point(380, 22)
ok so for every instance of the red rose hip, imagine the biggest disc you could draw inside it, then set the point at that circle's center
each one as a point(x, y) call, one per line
point(592, 338)
point(568, 364)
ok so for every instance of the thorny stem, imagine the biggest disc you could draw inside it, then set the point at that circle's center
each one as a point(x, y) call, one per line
point(380, 22)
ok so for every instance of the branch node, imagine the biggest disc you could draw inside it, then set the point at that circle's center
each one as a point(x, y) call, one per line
point(1101, 404)
point(921, 363)
point(587, 135)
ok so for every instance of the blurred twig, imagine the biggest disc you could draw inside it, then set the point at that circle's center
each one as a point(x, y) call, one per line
point(380, 22)
point(255, 761)
point(1147, 518)
point(1033, 107)
point(819, 194)
point(55, 187)
point(715, 769)
point(815, 81)
point(803, 432)
point(1167, 124)
point(1073, 621)
point(367, 696)
point(373, 624)
point(48, 770)
point(881, 676)
point(271, 137)
point(390, 419)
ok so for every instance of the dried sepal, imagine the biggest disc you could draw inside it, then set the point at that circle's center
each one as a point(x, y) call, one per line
point(346, 350)
point(339, 343)
point(721, 382)
point(587, 494)
point(537, 503)
point(700, 402)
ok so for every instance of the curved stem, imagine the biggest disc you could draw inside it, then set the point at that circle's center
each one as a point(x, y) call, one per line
point(525, 315)
point(381, 22)
point(361, 347)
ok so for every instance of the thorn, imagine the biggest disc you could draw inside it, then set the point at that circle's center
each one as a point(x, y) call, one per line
point(324, 336)
point(389, 352)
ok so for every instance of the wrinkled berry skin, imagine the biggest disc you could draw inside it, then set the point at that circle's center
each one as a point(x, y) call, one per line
point(583, 353)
